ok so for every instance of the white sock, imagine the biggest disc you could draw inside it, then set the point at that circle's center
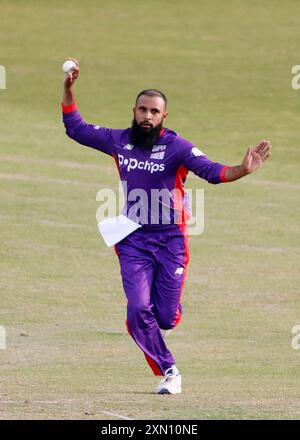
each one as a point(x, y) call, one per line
point(174, 368)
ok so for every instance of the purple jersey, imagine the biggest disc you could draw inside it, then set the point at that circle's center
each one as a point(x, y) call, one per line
point(155, 178)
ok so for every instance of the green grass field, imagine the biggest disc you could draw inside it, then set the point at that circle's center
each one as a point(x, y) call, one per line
point(226, 69)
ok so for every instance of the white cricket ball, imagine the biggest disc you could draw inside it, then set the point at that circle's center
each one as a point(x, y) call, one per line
point(68, 65)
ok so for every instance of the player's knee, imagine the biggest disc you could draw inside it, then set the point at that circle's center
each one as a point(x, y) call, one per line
point(137, 312)
point(166, 322)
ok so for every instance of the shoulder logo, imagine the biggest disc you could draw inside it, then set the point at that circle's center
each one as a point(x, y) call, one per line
point(197, 152)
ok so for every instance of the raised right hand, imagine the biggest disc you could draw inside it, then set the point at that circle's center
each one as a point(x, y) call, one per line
point(72, 75)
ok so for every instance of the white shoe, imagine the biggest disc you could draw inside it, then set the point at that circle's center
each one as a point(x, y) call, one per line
point(171, 383)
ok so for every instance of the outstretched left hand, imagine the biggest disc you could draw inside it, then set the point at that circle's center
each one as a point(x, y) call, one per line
point(256, 156)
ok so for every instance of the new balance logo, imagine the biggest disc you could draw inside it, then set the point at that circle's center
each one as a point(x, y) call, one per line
point(179, 271)
point(128, 147)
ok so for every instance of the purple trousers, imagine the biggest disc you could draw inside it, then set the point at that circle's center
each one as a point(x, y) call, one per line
point(153, 268)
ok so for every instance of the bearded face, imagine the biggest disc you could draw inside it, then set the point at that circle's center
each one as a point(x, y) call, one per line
point(149, 114)
point(145, 134)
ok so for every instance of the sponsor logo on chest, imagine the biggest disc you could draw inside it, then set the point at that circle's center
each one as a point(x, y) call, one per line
point(132, 163)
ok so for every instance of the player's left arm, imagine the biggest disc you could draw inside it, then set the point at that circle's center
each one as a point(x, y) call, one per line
point(254, 158)
point(196, 161)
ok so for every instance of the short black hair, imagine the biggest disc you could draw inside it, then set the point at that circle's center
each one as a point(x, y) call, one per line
point(153, 92)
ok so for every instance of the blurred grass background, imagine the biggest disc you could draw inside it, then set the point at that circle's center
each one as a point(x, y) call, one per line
point(226, 69)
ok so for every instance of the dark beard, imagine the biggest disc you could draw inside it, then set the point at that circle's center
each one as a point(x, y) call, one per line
point(144, 138)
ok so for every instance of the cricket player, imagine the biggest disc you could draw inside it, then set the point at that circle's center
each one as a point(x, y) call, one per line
point(153, 258)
